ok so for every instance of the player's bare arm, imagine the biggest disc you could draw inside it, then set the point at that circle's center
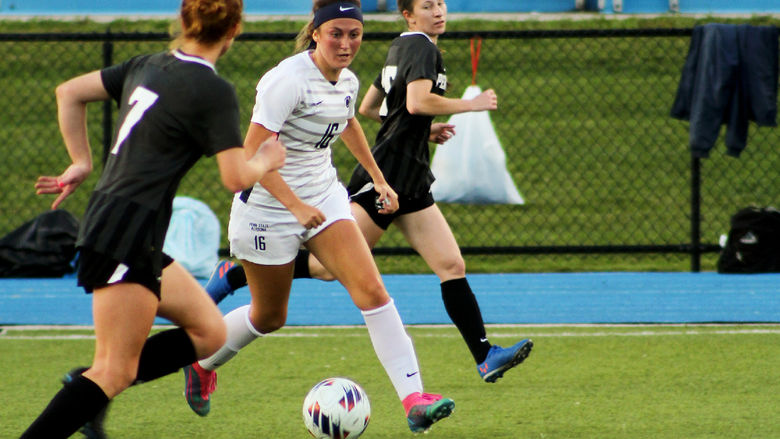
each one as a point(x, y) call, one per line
point(72, 99)
point(372, 102)
point(420, 100)
point(238, 173)
point(441, 132)
point(307, 215)
point(355, 140)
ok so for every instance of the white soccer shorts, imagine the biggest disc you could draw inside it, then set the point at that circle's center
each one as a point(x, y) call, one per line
point(271, 236)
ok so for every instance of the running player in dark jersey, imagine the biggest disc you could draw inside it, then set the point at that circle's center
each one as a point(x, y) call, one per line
point(405, 98)
point(174, 109)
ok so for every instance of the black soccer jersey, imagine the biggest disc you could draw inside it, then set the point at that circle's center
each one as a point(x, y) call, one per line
point(173, 109)
point(401, 148)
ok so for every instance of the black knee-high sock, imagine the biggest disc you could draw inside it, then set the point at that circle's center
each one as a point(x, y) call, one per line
point(165, 353)
point(302, 265)
point(77, 402)
point(236, 277)
point(463, 309)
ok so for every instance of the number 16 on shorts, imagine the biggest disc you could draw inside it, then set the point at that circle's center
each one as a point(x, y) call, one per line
point(260, 243)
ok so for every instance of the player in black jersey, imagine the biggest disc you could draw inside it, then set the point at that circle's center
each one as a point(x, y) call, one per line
point(405, 97)
point(174, 109)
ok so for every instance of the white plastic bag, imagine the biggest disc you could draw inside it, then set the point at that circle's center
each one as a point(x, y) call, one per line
point(471, 166)
point(193, 236)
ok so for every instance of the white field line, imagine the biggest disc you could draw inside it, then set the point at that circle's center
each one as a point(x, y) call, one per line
point(668, 330)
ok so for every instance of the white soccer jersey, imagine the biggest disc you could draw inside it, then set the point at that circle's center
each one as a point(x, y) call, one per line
point(309, 112)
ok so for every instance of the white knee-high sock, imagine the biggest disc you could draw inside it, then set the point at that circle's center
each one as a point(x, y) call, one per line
point(394, 348)
point(240, 333)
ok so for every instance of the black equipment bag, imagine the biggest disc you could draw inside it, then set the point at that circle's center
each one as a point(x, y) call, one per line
point(753, 244)
point(41, 247)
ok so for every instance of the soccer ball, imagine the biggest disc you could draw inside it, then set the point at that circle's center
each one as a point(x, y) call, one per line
point(336, 408)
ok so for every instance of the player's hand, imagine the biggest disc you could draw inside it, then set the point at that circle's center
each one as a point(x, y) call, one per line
point(308, 216)
point(441, 132)
point(272, 152)
point(386, 199)
point(64, 184)
point(487, 100)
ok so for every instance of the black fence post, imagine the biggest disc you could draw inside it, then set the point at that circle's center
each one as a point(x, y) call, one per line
point(108, 59)
point(695, 214)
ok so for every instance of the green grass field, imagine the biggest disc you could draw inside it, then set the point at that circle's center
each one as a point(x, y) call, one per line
point(604, 382)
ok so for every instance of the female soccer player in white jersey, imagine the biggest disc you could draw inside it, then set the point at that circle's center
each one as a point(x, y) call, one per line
point(405, 97)
point(174, 109)
point(308, 100)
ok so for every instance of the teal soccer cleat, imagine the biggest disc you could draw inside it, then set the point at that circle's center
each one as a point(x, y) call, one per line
point(199, 384)
point(425, 409)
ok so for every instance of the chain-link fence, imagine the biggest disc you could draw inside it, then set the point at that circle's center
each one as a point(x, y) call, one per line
point(584, 119)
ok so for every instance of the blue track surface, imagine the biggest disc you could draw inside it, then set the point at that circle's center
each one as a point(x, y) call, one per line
point(504, 298)
point(303, 7)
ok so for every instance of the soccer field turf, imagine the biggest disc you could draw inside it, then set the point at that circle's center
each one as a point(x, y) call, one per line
point(627, 381)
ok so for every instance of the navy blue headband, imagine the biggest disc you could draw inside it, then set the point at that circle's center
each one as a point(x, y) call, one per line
point(337, 10)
